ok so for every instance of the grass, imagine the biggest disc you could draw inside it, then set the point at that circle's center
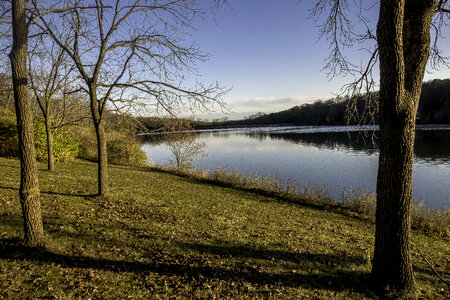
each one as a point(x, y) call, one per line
point(353, 202)
point(165, 236)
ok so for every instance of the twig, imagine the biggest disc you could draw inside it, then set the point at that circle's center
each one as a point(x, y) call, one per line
point(432, 268)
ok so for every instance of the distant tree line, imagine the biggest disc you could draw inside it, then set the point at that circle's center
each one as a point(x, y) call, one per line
point(158, 124)
point(434, 108)
point(434, 105)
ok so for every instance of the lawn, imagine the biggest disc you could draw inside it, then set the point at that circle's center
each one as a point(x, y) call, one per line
point(165, 236)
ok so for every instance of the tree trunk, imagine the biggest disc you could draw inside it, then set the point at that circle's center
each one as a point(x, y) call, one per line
point(392, 259)
point(103, 187)
point(50, 155)
point(99, 123)
point(403, 35)
point(29, 187)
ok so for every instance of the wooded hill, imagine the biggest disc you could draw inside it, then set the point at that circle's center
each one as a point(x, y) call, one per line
point(434, 108)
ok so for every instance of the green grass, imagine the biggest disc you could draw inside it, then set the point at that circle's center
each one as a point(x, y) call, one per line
point(164, 236)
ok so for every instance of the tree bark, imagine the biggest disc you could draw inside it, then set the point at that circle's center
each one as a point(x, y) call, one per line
point(99, 124)
point(403, 35)
point(29, 187)
point(103, 187)
point(50, 154)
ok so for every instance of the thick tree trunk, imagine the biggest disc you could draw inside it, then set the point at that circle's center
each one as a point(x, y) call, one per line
point(103, 187)
point(392, 260)
point(50, 155)
point(403, 34)
point(29, 187)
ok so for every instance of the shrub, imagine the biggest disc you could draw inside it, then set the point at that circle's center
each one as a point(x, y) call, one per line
point(123, 148)
point(88, 142)
point(9, 141)
point(65, 146)
point(71, 142)
point(269, 184)
point(430, 220)
point(423, 218)
point(125, 151)
point(362, 202)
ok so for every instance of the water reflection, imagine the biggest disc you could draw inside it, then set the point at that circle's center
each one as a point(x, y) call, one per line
point(331, 140)
point(338, 157)
point(431, 146)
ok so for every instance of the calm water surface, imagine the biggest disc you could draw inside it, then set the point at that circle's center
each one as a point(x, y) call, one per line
point(337, 157)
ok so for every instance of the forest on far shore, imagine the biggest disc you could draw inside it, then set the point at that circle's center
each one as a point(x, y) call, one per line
point(434, 108)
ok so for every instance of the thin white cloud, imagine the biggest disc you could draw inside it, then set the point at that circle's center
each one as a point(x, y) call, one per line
point(269, 104)
point(241, 108)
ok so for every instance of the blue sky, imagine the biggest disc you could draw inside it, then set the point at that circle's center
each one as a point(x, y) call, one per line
point(268, 51)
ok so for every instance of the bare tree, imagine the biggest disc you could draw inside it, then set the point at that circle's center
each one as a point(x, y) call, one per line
point(29, 186)
point(129, 54)
point(403, 40)
point(181, 139)
point(51, 80)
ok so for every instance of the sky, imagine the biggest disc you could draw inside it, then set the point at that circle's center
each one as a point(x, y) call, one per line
point(270, 55)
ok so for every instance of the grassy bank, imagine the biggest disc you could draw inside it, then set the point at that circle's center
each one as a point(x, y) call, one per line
point(354, 202)
point(166, 236)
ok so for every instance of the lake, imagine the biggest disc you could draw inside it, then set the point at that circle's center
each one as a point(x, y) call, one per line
point(336, 156)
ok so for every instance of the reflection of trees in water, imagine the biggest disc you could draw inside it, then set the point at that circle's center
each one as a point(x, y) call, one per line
point(153, 139)
point(431, 145)
point(352, 141)
point(224, 134)
point(161, 137)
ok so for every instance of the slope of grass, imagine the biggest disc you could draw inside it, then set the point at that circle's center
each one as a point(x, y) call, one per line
point(165, 236)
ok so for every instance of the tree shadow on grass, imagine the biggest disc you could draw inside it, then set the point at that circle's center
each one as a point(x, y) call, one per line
point(12, 220)
point(69, 194)
point(245, 251)
point(191, 268)
point(9, 165)
point(326, 275)
point(9, 188)
point(52, 193)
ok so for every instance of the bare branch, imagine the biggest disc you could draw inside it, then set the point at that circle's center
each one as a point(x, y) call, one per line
point(338, 29)
point(437, 56)
point(442, 7)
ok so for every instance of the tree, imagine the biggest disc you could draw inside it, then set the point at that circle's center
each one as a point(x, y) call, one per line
point(403, 37)
point(29, 186)
point(181, 139)
point(51, 77)
point(127, 54)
